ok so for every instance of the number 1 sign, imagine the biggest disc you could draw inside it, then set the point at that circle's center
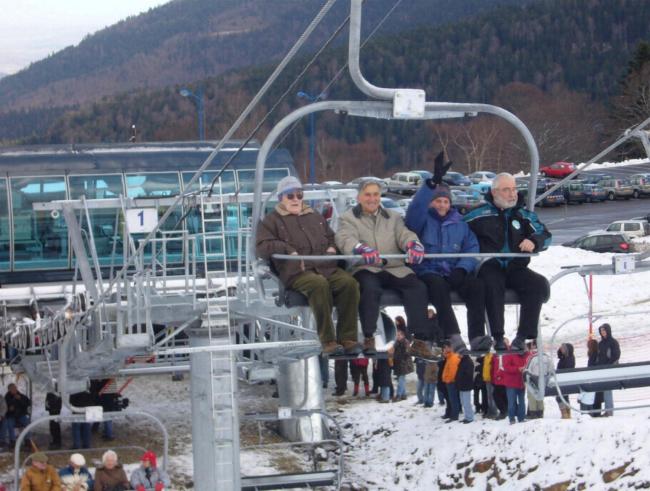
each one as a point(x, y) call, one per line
point(141, 220)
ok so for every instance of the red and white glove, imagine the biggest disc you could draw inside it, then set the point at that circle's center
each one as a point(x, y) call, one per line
point(159, 486)
point(140, 488)
point(369, 254)
point(415, 252)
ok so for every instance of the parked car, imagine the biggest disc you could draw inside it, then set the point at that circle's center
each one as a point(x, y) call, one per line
point(404, 203)
point(594, 177)
point(482, 176)
point(602, 242)
point(404, 182)
point(555, 198)
point(465, 201)
point(594, 193)
point(558, 169)
point(617, 188)
point(481, 187)
point(640, 185)
point(456, 179)
point(633, 228)
point(391, 204)
point(355, 182)
point(424, 174)
point(574, 192)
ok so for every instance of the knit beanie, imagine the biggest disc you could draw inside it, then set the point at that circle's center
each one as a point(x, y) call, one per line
point(441, 191)
point(150, 457)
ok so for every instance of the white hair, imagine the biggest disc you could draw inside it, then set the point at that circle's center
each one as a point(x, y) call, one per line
point(499, 178)
point(107, 455)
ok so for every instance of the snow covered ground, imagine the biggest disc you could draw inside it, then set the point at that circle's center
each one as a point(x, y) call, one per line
point(403, 446)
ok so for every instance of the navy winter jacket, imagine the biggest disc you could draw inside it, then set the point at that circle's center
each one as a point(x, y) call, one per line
point(448, 234)
point(503, 230)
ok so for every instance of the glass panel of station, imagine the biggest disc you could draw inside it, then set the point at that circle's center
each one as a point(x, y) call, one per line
point(105, 223)
point(168, 246)
point(213, 217)
point(5, 235)
point(40, 240)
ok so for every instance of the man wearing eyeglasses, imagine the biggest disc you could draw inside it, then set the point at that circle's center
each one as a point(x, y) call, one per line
point(504, 225)
point(370, 230)
point(295, 228)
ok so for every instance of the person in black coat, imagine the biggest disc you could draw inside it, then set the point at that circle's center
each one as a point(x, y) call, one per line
point(465, 384)
point(597, 401)
point(18, 411)
point(566, 359)
point(53, 405)
point(609, 353)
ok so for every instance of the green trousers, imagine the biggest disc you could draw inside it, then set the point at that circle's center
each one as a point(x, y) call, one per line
point(340, 290)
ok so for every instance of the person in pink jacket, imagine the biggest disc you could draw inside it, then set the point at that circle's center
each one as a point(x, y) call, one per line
point(513, 379)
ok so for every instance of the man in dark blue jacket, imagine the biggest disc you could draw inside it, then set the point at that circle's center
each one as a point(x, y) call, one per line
point(441, 229)
point(504, 225)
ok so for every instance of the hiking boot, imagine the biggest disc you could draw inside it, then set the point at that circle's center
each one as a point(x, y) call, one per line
point(458, 345)
point(332, 348)
point(480, 343)
point(500, 344)
point(518, 344)
point(351, 347)
point(421, 349)
point(369, 346)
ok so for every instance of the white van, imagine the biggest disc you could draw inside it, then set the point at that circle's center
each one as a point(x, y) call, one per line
point(633, 228)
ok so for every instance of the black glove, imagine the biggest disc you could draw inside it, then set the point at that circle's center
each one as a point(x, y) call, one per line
point(456, 277)
point(440, 168)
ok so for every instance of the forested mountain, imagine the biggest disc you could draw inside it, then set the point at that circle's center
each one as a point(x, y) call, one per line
point(188, 40)
point(557, 64)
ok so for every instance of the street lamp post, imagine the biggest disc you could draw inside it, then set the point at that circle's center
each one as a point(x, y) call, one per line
point(197, 98)
point(312, 134)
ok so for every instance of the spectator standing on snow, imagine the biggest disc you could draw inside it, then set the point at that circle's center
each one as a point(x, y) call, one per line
point(402, 363)
point(609, 352)
point(535, 407)
point(420, 365)
point(359, 371)
point(592, 400)
point(464, 385)
point(513, 380)
point(430, 382)
point(452, 360)
point(384, 380)
point(566, 359)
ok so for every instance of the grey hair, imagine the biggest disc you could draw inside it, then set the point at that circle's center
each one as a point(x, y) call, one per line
point(370, 181)
point(498, 178)
point(107, 454)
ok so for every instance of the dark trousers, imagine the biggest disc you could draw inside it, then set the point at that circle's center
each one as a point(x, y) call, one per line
point(453, 399)
point(471, 291)
point(341, 375)
point(412, 291)
point(480, 397)
point(532, 288)
point(501, 399)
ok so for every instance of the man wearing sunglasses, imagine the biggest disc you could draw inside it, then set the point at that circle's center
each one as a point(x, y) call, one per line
point(370, 230)
point(295, 228)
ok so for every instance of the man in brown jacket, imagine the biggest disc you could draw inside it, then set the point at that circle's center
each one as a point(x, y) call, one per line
point(295, 228)
point(40, 476)
point(369, 230)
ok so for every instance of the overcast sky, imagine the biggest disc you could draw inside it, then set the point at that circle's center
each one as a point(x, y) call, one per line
point(32, 29)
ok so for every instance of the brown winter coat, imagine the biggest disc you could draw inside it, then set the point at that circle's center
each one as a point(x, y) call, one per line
point(384, 231)
point(107, 478)
point(308, 234)
point(403, 363)
point(431, 372)
point(40, 480)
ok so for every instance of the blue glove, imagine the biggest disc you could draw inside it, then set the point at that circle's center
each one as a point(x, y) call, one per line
point(415, 252)
point(369, 254)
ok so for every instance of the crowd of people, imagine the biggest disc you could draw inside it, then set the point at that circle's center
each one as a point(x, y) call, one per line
point(109, 476)
point(491, 385)
point(431, 226)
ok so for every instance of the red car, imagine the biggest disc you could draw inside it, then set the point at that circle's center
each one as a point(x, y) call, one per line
point(558, 169)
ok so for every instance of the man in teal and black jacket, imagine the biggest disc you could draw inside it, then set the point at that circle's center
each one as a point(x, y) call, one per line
point(504, 225)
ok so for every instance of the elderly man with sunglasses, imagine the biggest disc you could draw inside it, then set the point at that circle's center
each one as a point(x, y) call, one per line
point(369, 230)
point(295, 228)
